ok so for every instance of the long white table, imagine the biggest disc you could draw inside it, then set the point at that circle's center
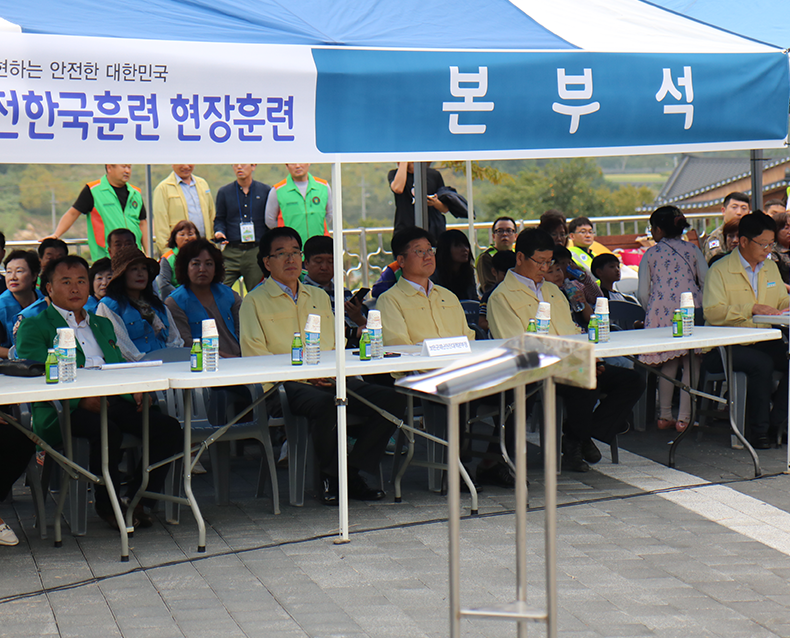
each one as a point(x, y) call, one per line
point(89, 383)
point(632, 343)
point(276, 369)
point(782, 321)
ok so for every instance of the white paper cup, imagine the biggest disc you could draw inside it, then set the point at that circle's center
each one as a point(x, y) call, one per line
point(374, 319)
point(601, 306)
point(313, 323)
point(686, 300)
point(544, 310)
point(66, 338)
point(209, 328)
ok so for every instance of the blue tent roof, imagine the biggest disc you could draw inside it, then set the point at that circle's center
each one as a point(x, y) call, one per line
point(763, 20)
point(464, 24)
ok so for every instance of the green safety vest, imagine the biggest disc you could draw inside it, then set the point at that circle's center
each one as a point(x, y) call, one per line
point(107, 215)
point(581, 257)
point(306, 215)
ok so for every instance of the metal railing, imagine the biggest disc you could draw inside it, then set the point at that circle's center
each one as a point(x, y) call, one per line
point(367, 249)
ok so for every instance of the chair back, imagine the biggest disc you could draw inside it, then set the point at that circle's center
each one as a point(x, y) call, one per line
point(623, 314)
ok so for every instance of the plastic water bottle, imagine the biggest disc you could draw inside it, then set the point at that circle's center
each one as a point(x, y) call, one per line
point(196, 356)
point(51, 366)
point(376, 338)
point(687, 309)
point(602, 315)
point(210, 346)
point(570, 290)
point(297, 350)
point(543, 318)
point(65, 346)
point(312, 340)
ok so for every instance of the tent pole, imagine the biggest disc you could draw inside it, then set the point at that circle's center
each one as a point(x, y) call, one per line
point(149, 209)
point(340, 352)
point(421, 195)
point(757, 179)
point(470, 200)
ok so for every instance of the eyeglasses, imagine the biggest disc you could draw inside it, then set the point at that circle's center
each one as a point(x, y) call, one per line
point(542, 264)
point(505, 231)
point(297, 254)
point(422, 254)
point(770, 246)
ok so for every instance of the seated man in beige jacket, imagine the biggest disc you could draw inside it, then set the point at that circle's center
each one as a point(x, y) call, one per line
point(737, 287)
point(415, 309)
point(513, 303)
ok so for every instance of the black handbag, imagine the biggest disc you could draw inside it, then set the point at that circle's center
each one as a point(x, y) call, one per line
point(21, 368)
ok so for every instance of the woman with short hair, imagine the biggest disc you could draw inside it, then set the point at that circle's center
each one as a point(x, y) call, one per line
point(21, 271)
point(200, 270)
point(99, 277)
point(142, 322)
point(183, 233)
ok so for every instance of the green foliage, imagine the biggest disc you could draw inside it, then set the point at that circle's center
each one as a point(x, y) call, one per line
point(575, 186)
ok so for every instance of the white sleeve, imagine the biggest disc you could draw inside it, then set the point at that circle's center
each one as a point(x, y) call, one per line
point(174, 339)
point(272, 209)
point(128, 350)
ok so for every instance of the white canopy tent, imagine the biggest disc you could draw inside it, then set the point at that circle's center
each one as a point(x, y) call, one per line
point(265, 82)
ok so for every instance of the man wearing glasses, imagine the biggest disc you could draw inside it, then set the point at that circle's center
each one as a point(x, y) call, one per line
point(269, 317)
point(581, 233)
point(513, 303)
point(504, 234)
point(737, 287)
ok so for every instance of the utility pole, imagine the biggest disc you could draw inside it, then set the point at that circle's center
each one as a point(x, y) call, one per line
point(364, 197)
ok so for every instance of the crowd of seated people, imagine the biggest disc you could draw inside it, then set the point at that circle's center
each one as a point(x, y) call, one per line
point(120, 315)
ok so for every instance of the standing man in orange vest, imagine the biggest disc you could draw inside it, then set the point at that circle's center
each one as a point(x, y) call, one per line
point(109, 203)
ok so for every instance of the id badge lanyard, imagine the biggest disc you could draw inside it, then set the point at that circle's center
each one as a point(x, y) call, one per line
point(246, 228)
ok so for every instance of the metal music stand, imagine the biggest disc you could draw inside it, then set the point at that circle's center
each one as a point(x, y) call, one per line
point(518, 362)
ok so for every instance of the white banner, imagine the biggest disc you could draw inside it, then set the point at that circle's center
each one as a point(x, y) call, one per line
point(85, 100)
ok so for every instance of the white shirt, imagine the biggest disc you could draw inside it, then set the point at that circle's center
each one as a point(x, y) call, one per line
point(529, 283)
point(128, 350)
point(194, 212)
point(94, 357)
point(751, 274)
point(419, 288)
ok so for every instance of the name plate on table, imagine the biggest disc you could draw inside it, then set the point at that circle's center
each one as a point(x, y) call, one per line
point(445, 346)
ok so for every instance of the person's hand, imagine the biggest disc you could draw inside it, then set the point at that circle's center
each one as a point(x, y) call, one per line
point(354, 312)
point(220, 237)
point(53, 236)
point(91, 404)
point(433, 200)
point(762, 309)
point(138, 400)
point(322, 383)
point(578, 296)
point(599, 370)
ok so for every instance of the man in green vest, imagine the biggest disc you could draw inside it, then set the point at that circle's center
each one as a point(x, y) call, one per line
point(581, 233)
point(302, 202)
point(109, 203)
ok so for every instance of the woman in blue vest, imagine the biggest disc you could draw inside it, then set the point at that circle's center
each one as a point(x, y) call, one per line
point(21, 271)
point(142, 322)
point(99, 276)
point(183, 233)
point(199, 269)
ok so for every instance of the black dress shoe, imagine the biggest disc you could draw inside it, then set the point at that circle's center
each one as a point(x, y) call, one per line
point(359, 490)
point(590, 451)
point(761, 442)
point(573, 458)
point(498, 474)
point(328, 494)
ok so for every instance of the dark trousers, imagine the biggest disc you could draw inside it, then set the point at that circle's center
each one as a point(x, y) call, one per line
point(372, 434)
point(15, 452)
point(618, 390)
point(122, 418)
point(759, 361)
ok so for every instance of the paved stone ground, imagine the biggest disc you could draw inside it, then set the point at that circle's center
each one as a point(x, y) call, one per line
point(642, 550)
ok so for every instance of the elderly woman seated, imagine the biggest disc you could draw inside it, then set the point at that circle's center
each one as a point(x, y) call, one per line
point(141, 321)
point(199, 269)
point(21, 271)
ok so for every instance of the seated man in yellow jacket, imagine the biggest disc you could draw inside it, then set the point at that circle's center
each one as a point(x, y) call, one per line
point(513, 303)
point(737, 287)
point(415, 309)
point(269, 317)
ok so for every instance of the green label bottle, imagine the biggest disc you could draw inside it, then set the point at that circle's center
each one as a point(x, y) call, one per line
point(51, 366)
point(297, 351)
point(532, 326)
point(196, 356)
point(364, 346)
